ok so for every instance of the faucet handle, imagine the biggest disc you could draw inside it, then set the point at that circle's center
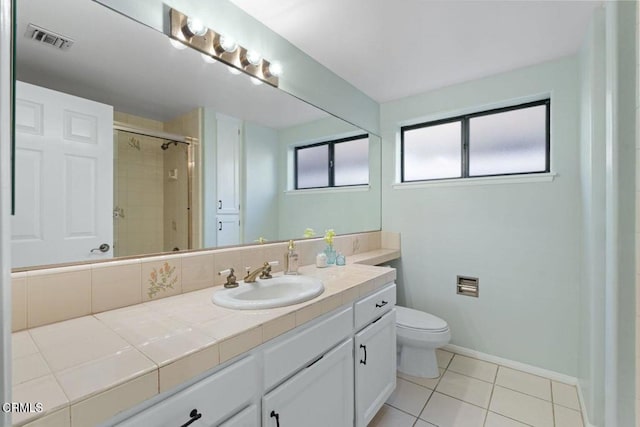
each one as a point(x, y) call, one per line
point(266, 271)
point(231, 278)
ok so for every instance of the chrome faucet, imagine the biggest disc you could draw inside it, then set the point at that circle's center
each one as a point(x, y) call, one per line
point(264, 271)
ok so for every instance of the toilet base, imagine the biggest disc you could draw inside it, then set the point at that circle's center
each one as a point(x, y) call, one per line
point(418, 362)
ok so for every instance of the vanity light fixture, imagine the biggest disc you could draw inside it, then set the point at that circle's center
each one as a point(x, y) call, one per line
point(253, 57)
point(194, 27)
point(188, 31)
point(228, 44)
point(273, 69)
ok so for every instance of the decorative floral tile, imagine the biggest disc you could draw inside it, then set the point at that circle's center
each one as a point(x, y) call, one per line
point(161, 278)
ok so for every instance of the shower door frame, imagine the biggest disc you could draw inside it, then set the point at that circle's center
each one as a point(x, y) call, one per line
point(181, 139)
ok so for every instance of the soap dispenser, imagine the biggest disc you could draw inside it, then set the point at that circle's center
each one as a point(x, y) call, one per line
point(292, 260)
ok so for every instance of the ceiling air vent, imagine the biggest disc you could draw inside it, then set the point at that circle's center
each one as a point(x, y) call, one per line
point(48, 37)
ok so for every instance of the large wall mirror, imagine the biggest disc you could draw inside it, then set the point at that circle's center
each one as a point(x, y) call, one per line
point(128, 146)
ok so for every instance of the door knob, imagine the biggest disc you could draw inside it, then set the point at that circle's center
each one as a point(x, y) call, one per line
point(102, 248)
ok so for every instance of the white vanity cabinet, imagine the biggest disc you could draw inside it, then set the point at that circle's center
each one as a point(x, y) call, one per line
point(318, 396)
point(337, 370)
point(375, 353)
point(207, 402)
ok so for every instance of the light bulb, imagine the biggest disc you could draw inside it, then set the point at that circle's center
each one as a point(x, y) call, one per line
point(253, 57)
point(196, 27)
point(228, 43)
point(275, 69)
point(208, 59)
point(177, 44)
point(255, 81)
point(234, 70)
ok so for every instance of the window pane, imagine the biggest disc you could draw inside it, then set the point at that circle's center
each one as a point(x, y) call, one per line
point(433, 152)
point(510, 142)
point(351, 162)
point(313, 167)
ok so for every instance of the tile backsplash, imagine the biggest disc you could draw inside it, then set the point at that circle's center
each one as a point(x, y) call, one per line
point(45, 296)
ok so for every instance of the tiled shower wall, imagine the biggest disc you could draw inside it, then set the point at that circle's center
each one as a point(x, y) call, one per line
point(139, 166)
point(152, 207)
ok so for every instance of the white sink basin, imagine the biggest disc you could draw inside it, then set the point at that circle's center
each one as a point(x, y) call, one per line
point(269, 293)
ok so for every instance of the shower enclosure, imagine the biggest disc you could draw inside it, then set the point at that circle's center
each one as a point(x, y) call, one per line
point(152, 193)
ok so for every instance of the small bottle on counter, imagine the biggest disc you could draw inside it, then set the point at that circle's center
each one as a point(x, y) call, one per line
point(321, 260)
point(292, 260)
point(341, 259)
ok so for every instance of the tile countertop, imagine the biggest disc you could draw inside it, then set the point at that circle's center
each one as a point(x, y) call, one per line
point(86, 370)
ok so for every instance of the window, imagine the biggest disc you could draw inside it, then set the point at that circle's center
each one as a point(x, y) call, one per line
point(337, 163)
point(505, 141)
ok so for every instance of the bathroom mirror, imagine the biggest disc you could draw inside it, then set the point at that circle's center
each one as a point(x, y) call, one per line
point(170, 162)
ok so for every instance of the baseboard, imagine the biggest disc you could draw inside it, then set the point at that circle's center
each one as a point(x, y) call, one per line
point(552, 375)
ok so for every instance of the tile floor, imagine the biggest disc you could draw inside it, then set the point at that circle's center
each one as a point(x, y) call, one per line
point(471, 392)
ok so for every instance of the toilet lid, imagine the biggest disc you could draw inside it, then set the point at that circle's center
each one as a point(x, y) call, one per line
point(415, 319)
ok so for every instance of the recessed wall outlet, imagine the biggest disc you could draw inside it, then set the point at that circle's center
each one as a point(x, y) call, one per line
point(468, 286)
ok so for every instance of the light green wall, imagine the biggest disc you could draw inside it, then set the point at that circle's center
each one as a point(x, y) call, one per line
point(625, 133)
point(521, 240)
point(344, 210)
point(260, 183)
point(303, 77)
point(591, 360)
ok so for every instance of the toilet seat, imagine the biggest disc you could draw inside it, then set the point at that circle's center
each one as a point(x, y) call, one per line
point(415, 320)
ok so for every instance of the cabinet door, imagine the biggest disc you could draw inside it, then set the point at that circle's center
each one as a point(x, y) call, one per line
point(320, 395)
point(228, 231)
point(247, 418)
point(375, 366)
point(228, 165)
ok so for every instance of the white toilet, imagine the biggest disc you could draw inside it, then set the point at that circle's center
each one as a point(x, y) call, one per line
point(418, 335)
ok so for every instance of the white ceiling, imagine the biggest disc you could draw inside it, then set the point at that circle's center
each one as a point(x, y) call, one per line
point(390, 49)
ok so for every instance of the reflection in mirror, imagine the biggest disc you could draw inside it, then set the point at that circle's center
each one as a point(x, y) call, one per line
point(128, 146)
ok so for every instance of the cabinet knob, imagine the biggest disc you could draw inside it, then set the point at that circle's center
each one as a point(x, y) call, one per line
point(219, 204)
point(219, 225)
point(382, 304)
point(195, 416)
point(275, 415)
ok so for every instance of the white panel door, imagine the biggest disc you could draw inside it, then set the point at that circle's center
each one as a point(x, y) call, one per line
point(375, 367)
point(320, 395)
point(228, 165)
point(228, 231)
point(64, 178)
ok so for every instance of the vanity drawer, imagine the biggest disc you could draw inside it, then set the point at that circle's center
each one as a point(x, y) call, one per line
point(214, 398)
point(295, 351)
point(375, 305)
